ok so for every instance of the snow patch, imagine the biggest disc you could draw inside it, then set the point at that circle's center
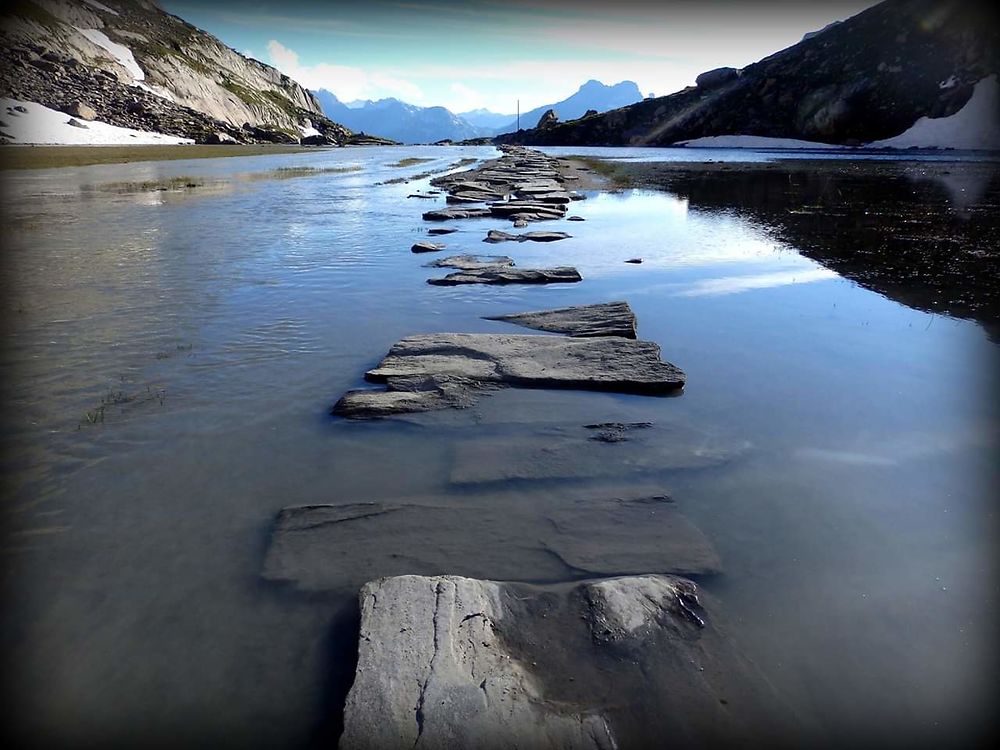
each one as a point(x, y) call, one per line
point(306, 132)
point(47, 126)
point(101, 6)
point(750, 141)
point(120, 52)
point(974, 126)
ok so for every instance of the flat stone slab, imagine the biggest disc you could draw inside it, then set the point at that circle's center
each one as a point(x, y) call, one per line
point(447, 214)
point(495, 236)
point(446, 369)
point(587, 452)
point(441, 230)
point(559, 275)
point(604, 319)
point(472, 262)
point(330, 547)
point(433, 673)
point(427, 247)
point(632, 662)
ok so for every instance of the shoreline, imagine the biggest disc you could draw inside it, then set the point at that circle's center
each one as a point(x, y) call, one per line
point(19, 157)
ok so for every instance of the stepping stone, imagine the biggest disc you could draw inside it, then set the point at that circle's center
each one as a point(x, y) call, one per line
point(571, 454)
point(604, 319)
point(449, 370)
point(472, 262)
point(495, 236)
point(447, 214)
point(427, 247)
point(329, 547)
point(446, 661)
point(441, 230)
point(560, 275)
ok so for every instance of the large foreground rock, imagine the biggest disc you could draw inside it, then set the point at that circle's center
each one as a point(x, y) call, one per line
point(603, 319)
point(498, 276)
point(532, 536)
point(434, 673)
point(635, 662)
point(447, 369)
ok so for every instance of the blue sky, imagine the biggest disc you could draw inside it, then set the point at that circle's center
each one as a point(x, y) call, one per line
point(490, 53)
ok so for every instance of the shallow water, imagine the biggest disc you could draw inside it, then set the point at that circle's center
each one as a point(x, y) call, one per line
point(217, 325)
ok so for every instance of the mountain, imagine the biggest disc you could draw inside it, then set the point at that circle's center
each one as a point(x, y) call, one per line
point(484, 118)
point(129, 63)
point(868, 78)
point(398, 120)
point(593, 95)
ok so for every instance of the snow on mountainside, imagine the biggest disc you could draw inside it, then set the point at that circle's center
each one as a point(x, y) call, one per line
point(134, 65)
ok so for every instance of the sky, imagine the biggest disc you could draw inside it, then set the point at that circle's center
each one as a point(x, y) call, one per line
point(493, 53)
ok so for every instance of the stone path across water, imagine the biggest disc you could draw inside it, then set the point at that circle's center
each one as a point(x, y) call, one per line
point(449, 661)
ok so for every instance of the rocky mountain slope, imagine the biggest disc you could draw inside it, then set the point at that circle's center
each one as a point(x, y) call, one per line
point(406, 123)
point(129, 63)
point(868, 78)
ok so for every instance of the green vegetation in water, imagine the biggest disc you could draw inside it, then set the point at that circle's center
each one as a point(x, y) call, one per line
point(613, 171)
point(423, 175)
point(285, 173)
point(121, 398)
point(409, 161)
point(50, 157)
point(183, 182)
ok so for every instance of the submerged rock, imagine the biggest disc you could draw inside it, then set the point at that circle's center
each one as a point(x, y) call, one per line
point(547, 537)
point(604, 319)
point(607, 451)
point(560, 275)
point(441, 230)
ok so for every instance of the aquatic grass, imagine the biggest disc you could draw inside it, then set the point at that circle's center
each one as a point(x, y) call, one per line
point(430, 173)
point(183, 182)
point(287, 173)
point(47, 157)
point(613, 171)
point(121, 398)
point(409, 161)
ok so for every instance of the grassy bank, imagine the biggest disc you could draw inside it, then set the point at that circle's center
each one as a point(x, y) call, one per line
point(45, 157)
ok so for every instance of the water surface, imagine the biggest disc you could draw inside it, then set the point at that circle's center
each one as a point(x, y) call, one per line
point(171, 357)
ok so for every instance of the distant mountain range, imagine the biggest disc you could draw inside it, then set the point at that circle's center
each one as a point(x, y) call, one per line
point(859, 81)
point(408, 123)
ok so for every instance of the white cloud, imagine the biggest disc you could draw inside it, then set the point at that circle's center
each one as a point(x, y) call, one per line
point(464, 98)
point(347, 82)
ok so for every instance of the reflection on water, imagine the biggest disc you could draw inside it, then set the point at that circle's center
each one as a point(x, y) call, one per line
point(855, 523)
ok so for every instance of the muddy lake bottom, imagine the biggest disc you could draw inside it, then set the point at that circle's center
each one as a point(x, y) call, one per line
point(171, 356)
